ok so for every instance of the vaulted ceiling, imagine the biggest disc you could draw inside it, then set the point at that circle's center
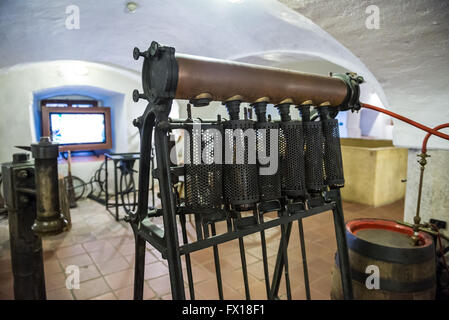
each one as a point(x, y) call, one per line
point(408, 54)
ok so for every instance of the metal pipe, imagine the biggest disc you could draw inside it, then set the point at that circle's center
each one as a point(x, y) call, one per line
point(219, 80)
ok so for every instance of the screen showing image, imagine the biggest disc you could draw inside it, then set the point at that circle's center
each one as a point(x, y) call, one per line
point(77, 128)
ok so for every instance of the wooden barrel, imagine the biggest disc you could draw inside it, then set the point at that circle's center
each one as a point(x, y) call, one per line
point(384, 248)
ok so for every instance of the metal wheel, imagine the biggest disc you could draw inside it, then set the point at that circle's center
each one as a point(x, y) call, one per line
point(78, 185)
point(128, 192)
point(100, 177)
point(97, 182)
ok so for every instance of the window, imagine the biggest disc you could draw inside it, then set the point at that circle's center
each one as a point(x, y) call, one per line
point(58, 103)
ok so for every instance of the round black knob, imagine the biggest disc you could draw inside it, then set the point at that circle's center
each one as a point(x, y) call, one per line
point(137, 95)
point(137, 122)
point(137, 54)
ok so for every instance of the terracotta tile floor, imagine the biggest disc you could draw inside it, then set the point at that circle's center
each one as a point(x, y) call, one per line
point(103, 249)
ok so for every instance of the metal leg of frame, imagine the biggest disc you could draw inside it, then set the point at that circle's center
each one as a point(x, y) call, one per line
point(169, 216)
point(304, 259)
point(217, 265)
point(182, 219)
point(153, 199)
point(277, 274)
point(285, 257)
point(139, 267)
point(244, 269)
point(116, 191)
point(265, 258)
point(105, 182)
point(142, 209)
point(244, 266)
point(342, 248)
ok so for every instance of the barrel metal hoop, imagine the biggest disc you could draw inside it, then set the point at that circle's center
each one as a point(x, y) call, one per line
point(391, 285)
point(384, 253)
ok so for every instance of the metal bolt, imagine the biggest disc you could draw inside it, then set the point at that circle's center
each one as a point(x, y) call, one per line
point(22, 174)
point(24, 199)
point(163, 125)
point(137, 122)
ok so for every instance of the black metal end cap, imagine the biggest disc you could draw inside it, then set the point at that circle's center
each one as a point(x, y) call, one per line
point(136, 53)
point(136, 95)
point(159, 74)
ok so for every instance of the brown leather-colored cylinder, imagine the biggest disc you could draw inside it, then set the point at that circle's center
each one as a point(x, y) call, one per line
point(223, 79)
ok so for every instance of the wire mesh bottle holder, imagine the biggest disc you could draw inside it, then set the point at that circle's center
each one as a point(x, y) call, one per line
point(333, 164)
point(240, 177)
point(269, 184)
point(203, 174)
point(291, 154)
point(313, 155)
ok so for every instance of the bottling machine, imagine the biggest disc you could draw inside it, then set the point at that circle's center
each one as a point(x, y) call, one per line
point(224, 179)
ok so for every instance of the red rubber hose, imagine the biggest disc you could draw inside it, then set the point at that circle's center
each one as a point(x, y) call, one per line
point(424, 143)
point(409, 121)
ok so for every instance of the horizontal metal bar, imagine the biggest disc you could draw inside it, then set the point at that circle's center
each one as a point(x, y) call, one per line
point(153, 234)
point(215, 240)
point(26, 190)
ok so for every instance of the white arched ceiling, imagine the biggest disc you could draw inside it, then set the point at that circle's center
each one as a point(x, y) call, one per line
point(408, 53)
point(33, 31)
point(264, 32)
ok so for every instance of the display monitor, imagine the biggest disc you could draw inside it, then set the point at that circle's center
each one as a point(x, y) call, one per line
point(78, 128)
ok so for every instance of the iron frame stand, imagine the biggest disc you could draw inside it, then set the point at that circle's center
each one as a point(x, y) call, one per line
point(159, 80)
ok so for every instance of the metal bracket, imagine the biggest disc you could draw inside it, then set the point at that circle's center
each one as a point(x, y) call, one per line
point(352, 81)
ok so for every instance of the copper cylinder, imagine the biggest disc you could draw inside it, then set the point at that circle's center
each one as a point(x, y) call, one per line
point(223, 79)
